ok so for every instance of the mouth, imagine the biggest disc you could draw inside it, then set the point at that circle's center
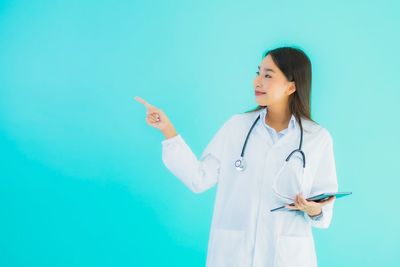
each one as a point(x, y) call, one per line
point(257, 93)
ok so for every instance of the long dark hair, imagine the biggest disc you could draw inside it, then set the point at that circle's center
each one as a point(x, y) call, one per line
point(296, 66)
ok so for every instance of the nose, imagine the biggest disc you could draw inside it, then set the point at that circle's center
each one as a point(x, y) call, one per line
point(257, 82)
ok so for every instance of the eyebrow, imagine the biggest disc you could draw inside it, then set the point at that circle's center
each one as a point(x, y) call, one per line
point(266, 69)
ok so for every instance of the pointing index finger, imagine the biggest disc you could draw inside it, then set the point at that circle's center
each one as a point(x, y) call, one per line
point(144, 102)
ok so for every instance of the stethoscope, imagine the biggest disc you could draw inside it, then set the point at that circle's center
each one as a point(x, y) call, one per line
point(240, 164)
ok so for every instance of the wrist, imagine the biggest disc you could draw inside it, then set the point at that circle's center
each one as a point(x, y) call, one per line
point(169, 133)
point(315, 213)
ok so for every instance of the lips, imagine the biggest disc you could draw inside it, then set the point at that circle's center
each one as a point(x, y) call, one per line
point(259, 93)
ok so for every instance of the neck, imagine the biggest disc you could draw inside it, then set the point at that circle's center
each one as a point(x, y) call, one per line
point(278, 117)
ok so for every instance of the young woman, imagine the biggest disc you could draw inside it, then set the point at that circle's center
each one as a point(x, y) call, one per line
point(287, 158)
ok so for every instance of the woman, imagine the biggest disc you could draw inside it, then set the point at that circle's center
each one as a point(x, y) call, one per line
point(244, 231)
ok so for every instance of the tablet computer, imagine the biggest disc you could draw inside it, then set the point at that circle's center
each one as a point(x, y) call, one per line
point(317, 198)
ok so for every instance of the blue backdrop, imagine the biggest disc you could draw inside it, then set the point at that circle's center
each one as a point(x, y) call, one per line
point(81, 177)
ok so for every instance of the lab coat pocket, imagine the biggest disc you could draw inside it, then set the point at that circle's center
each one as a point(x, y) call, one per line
point(227, 248)
point(295, 251)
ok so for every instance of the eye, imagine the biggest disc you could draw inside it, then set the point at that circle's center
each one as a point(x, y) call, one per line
point(266, 75)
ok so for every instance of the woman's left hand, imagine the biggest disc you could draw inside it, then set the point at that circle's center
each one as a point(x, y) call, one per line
point(312, 208)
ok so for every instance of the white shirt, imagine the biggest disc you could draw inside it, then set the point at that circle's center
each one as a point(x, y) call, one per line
point(273, 133)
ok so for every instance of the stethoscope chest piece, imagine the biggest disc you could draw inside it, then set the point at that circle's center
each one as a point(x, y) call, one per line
point(240, 164)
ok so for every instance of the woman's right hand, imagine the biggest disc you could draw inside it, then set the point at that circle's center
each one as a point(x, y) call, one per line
point(158, 119)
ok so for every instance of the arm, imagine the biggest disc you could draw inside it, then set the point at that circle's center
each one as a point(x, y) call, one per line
point(325, 181)
point(197, 175)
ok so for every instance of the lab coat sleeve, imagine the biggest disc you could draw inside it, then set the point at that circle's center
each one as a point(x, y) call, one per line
point(325, 181)
point(197, 174)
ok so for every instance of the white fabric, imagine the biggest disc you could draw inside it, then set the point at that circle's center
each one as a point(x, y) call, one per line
point(243, 231)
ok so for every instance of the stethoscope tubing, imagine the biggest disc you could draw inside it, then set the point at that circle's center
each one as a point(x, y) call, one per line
point(240, 163)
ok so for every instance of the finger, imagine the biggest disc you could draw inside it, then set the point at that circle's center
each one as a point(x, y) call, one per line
point(156, 119)
point(299, 200)
point(151, 122)
point(302, 200)
point(298, 203)
point(154, 116)
point(144, 102)
point(154, 111)
point(291, 207)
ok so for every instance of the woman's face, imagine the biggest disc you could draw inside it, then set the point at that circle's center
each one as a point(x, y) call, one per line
point(270, 85)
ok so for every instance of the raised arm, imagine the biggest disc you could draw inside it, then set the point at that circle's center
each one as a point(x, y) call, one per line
point(197, 174)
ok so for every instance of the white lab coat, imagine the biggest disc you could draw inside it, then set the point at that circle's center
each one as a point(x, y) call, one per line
point(243, 230)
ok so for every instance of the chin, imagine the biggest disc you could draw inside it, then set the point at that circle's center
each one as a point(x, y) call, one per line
point(261, 103)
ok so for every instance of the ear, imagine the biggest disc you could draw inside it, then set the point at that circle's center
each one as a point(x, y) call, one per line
point(291, 88)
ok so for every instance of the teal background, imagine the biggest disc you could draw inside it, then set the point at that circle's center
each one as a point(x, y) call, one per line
point(81, 177)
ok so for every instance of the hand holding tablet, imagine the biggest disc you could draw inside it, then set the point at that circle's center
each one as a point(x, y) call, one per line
point(317, 198)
